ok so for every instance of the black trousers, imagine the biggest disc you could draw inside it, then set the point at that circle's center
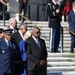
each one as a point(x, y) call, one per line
point(22, 7)
point(38, 71)
point(72, 42)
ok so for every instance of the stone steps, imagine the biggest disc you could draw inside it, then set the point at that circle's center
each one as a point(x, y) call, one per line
point(61, 59)
point(67, 68)
point(61, 55)
point(57, 63)
point(60, 63)
point(61, 73)
point(45, 32)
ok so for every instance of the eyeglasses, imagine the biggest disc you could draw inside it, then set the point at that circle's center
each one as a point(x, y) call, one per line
point(38, 32)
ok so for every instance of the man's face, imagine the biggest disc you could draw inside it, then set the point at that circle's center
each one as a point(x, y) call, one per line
point(55, 0)
point(36, 33)
point(1, 35)
point(74, 7)
point(14, 24)
point(6, 36)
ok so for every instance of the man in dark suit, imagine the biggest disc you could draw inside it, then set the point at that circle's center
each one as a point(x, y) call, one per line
point(6, 55)
point(71, 21)
point(22, 7)
point(16, 38)
point(53, 11)
point(36, 54)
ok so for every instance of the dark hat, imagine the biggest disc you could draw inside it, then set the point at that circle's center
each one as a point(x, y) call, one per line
point(8, 31)
point(1, 30)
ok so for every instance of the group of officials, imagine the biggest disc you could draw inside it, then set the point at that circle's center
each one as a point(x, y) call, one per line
point(22, 52)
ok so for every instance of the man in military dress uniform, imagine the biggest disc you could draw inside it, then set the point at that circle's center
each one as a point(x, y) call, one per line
point(53, 12)
point(6, 54)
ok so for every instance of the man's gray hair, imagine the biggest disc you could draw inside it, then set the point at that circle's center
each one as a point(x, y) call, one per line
point(22, 25)
point(36, 28)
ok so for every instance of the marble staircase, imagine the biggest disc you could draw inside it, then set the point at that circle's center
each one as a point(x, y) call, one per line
point(57, 63)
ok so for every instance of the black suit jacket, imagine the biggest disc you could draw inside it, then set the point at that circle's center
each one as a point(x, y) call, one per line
point(35, 54)
point(16, 38)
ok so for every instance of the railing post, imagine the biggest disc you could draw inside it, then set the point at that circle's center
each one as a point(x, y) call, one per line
point(3, 15)
point(62, 40)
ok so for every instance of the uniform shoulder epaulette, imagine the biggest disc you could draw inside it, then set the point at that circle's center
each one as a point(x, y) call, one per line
point(49, 3)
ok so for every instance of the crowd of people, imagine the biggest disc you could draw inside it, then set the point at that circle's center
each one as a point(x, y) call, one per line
point(23, 52)
point(65, 4)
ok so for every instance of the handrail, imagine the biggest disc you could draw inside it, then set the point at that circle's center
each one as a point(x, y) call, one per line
point(62, 40)
point(68, 30)
point(20, 14)
point(30, 20)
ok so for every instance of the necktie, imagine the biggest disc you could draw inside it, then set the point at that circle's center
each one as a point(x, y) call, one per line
point(14, 30)
point(38, 43)
point(8, 43)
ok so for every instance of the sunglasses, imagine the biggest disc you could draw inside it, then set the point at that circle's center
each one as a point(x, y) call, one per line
point(38, 32)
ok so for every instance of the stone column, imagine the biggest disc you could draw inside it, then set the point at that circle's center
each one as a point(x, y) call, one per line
point(14, 5)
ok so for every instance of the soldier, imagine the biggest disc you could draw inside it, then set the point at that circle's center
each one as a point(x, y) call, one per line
point(6, 54)
point(53, 12)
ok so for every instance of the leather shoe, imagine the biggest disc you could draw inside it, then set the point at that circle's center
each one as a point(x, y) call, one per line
point(57, 51)
point(71, 51)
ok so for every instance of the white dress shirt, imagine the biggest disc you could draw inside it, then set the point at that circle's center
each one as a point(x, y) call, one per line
point(7, 41)
point(37, 41)
point(21, 34)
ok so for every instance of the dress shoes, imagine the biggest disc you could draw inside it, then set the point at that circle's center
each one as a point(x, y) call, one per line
point(71, 51)
point(57, 51)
